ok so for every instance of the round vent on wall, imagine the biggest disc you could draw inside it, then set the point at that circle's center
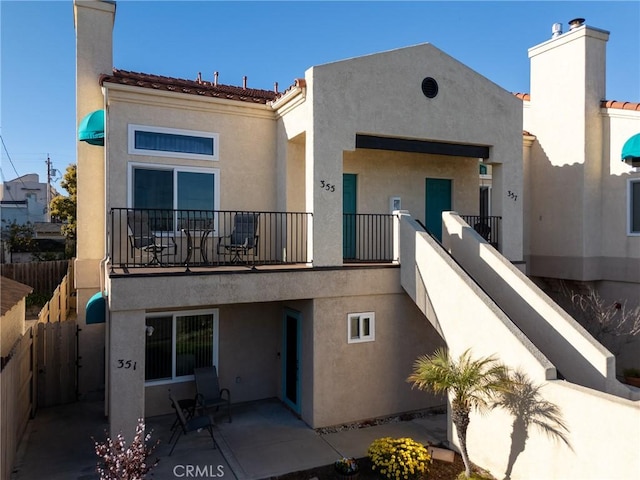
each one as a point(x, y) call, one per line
point(429, 87)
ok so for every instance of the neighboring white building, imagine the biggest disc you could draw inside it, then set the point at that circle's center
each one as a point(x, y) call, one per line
point(24, 200)
point(582, 201)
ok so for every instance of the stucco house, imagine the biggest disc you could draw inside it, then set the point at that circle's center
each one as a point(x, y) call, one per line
point(582, 198)
point(279, 236)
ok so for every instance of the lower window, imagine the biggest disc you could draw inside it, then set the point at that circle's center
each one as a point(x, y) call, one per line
point(179, 342)
point(361, 327)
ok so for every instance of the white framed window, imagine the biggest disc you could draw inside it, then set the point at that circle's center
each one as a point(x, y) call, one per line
point(361, 327)
point(633, 209)
point(168, 188)
point(172, 142)
point(177, 343)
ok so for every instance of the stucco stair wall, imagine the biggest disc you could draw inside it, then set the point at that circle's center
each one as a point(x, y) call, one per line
point(463, 311)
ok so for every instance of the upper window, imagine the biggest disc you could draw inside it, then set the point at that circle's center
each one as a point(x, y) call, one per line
point(171, 142)
point(361, 327)
point(168, 188)
point(177, 343)
point(634, 206)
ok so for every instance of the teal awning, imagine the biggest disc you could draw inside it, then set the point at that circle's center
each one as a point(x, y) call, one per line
point(91, 129)
point(96, 309)
point(631, 150)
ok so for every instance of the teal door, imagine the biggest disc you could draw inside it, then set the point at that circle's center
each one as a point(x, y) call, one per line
point(349, 186)
point(291, 359)
point(437, 200)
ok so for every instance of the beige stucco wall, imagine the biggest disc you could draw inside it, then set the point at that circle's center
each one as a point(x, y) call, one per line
point(578, 199)
point(382, 174)
point(247, 151)
point(343, 390)
point(346, 98)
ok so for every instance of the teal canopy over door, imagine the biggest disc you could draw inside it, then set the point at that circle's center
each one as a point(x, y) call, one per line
point(91, 128)
point(349, 208)
point(631, 151)
point(437, 200)
point(96, 309)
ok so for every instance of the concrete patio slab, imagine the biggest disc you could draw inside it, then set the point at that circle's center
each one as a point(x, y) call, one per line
point(265, 439)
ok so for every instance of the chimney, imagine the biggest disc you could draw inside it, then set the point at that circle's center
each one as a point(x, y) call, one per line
point(575, 23)
point(556, 30)
point(215, 79)
point(244, 82)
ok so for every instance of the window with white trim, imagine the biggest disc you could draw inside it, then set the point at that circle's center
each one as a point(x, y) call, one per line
point(361, 327)
point(172, 142)
point(167, 188)
point(179, 342)
point(634, 206)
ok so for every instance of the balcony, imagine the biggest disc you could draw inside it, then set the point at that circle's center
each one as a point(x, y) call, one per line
point(142, 238)
point(148, 238)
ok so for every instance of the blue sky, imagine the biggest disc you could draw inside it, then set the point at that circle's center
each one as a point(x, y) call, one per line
point(272, 42)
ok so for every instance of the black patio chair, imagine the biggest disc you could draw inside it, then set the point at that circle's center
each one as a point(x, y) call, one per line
point(210, 395)
point(194, 424)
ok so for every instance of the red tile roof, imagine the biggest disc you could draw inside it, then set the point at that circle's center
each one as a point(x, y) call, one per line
point(604, 104)
point(194, 87)
point(620, 105)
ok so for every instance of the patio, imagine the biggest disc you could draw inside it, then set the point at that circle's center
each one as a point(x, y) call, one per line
point(265, 439)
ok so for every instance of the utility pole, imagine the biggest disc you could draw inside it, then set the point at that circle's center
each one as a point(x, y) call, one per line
point(48, 208)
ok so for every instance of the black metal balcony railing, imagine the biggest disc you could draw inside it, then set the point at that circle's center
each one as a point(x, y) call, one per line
point(488, 227)
point(149, 237)
point(367, 237)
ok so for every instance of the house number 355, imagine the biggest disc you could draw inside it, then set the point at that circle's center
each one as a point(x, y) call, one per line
point(127, 364)
point(329, 187)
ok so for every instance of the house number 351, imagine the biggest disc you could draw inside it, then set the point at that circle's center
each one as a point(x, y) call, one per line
point(512, 195)
point(329, 187)
point(127, 364)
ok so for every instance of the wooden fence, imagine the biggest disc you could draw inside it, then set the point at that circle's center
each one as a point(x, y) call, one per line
point(43, 277)
point(41, 370)
point(15, 400)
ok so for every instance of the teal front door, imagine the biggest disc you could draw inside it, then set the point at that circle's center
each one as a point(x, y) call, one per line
point(349, 186)
point(437, 200)
point(291, 359)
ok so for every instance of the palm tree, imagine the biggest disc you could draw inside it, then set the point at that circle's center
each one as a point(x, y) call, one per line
point(471, 383)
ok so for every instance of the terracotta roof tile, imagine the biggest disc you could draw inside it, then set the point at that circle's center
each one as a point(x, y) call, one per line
point(604, 104)
point(193, 87)
point(12, 293)
point(620, 105)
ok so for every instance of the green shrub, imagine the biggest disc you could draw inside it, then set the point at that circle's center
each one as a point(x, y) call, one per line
point(399, 458)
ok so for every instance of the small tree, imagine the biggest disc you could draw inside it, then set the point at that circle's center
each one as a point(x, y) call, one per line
point(121, 463)
point(612, 323)
point(471, 383)
point(19, 238)
point(65, 208)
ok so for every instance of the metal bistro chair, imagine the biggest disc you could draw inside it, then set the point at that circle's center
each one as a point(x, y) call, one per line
point(194, 424)
point(243, 240)
point(142, 238)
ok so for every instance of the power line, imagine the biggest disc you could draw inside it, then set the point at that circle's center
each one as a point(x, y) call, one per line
point(11, 162)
